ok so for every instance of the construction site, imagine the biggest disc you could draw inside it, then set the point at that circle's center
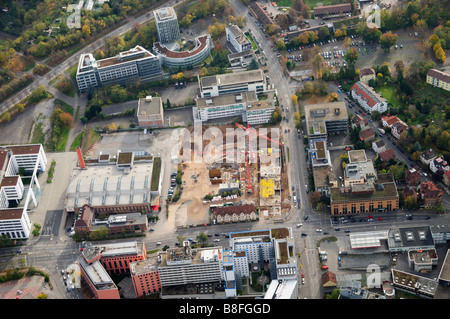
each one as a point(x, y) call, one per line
point(237, 173)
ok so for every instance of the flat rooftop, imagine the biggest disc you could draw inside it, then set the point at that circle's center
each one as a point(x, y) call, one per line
point(144, 266)
point(232, 78)
point(325, 112)
point(166, 13)
point(357, 156)
point(149, 106)
point(134, 54)
point(226, 99)
point(388, 190)
point(105, 185)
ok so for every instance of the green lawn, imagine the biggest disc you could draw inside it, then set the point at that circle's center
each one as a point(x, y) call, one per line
point(254, 47)
point(63, 139)
point(63, 106)
point(76, 142)
point(389, 95)
point(311, 3)
point(38, 135)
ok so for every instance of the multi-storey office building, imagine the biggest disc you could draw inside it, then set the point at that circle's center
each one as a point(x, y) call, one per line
point(167, 25)
point(184, 265)
point(237, 38)
point(232, 83)
point(245, 105)
point(31, 159)
point(184, 59)
point(326, 119)
point(145, 277)
point(376, 196)
point(126, 67)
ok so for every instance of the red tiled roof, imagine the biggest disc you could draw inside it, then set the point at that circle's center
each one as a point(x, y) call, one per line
point(362, 89)
point(429, 189)
point(387, 155)
point(364, 134)
point(367, 71)
point(390, 120)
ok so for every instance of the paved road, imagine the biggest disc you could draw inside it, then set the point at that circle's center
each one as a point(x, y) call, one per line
point(73, 59)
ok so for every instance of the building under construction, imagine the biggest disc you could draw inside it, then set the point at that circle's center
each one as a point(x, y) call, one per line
point(270, 163)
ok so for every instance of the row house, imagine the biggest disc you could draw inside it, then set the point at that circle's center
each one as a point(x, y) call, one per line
point(368, 99)
point(234, 214)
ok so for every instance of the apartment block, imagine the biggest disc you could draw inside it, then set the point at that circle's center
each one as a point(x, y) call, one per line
point(368, 99)
point(332, 10)
point(167, 25)
point(438, 79)
point(127, 66)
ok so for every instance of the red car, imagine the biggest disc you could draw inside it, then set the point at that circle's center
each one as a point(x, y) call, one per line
point(325, 267)
point(379, 218)
point(363, 113)
point(369, 216)
point(303, 275)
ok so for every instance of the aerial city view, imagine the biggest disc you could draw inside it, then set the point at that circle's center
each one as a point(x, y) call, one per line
point(224, 150)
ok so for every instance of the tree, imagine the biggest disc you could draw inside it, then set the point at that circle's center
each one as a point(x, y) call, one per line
point(118, 93)
point(202, 238)
point(411, 203)
point(333, 97)
point(253, 65)
point(315, 198)
point(86, 30)
point(37, 94)
point(294, 99)
point(388, 40)
point(280, 45)
point(66, 119)
point(351, 56)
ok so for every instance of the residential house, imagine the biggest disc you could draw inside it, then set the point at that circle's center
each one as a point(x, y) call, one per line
point(379, 146)
point(387, 155)
point(367, 135)
point(329, 281)
point(412, 177)
point(438, 79)
point(430, 194)
point(359, 121)
point(439, 164)
point(368, 99)
point(398, 128)
point(427, 156)
point(367, 74)
point(387, 121)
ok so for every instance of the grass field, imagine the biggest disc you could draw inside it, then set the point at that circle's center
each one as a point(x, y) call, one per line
point(254, 47)
point(389, 95)
point(63, 139)
point(76, 142)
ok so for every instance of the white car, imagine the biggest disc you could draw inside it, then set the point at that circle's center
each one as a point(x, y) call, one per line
point(216, 239)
